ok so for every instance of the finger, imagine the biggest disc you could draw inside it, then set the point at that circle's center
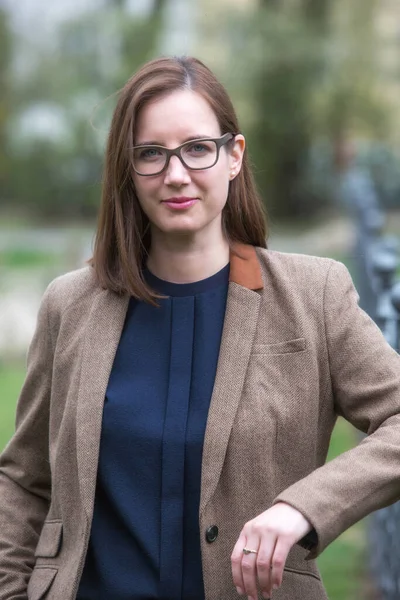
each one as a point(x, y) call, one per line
point(282, 547)
point(264, 565)
point(249, 567)
point(236, 563)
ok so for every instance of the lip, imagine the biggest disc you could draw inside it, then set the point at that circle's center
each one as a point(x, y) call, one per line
point(180, 202)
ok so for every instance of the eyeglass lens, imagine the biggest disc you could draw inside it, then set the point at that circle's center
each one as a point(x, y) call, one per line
point(149, 160)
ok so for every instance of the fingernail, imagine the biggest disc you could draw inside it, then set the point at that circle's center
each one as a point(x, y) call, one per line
point(239, 591)
point(266, 596)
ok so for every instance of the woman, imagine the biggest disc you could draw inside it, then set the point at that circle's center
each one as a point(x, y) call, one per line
point(181, 391)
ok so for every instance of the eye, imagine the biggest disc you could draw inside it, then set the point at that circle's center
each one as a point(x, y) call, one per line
point(149, 153)
point(199, 148)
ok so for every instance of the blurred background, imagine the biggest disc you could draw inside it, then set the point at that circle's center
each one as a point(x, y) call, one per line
point(316, 85)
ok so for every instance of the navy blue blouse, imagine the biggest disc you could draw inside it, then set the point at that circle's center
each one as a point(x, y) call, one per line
point(145, 539)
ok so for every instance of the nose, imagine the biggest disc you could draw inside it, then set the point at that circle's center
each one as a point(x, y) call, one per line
point(176, 173)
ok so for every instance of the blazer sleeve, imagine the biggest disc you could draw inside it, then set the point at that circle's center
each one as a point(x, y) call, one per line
point(365, 378)
point(25, 482)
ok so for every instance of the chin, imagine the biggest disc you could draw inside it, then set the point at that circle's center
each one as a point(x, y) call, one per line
point(182, 227)
point(181, 230)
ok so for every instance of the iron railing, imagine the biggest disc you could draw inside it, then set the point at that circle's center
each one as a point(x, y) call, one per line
point(376, 263)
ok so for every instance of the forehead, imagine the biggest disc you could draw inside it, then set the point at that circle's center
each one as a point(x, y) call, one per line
point(176, 117)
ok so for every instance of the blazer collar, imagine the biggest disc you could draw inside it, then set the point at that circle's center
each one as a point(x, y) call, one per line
point(245, 268)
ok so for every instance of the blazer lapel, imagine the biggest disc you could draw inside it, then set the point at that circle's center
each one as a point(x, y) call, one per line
point(104, 328)
point(241, 317)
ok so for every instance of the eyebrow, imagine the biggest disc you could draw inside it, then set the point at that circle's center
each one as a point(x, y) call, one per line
point(189, 139)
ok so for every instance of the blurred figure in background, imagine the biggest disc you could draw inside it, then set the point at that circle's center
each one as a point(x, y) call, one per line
point(356, 191)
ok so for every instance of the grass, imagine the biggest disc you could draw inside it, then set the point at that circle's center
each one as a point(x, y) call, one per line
point(11, 379)
point(341, 564)
point(20, 258)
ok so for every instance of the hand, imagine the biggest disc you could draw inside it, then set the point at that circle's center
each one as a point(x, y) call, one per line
point(272, 534)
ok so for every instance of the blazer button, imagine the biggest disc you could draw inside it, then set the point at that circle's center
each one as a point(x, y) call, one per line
point(211, 534)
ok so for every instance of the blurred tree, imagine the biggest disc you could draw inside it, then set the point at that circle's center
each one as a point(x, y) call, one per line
point(159, 6)
point(155, 7)
point(281, 87)
point(66, 90)
point(299, 70)
point(5, 102)
point(317, 12)
point(303, 70)
point(349, 100)
point(282, 135)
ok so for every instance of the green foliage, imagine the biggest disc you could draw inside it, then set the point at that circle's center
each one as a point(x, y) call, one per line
point(281, 134)
point(5, 96)
point(305, 72)
point(11, 379)
point(58, 174)
point(19, 258)
point(58, 181)
point(299, 70)
point(342, 563)
point(317, 12)
point(349, 98)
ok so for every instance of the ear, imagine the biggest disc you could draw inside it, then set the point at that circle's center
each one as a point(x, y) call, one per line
point(236, 155)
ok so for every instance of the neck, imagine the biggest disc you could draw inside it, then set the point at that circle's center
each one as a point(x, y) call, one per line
point(181, 260)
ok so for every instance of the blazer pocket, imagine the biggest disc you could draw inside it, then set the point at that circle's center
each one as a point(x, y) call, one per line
point(50, 540)
point(302, 572)
point(289, 347)
point(40, 582)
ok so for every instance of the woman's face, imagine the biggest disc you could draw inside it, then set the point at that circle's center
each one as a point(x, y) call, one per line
point(170, 121)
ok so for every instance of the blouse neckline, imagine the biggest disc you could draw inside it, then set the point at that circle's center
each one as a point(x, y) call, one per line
point(168, 288)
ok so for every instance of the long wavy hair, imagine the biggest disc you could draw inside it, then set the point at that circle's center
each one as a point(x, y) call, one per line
point(122, 239)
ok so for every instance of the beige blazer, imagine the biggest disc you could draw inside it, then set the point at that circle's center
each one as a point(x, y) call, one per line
point(296, 351)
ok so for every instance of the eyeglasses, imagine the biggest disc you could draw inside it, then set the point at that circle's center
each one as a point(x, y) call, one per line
point(195, 155)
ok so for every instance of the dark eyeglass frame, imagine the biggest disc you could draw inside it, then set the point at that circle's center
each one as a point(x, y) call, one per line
point(219, 142)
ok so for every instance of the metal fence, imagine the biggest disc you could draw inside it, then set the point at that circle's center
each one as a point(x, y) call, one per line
point(376, 264)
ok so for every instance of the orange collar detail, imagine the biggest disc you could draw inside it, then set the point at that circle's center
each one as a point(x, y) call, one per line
point(245, 268)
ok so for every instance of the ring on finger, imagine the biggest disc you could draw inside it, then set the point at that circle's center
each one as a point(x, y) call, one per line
point(248, 551)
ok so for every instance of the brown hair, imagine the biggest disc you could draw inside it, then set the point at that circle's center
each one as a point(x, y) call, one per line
point(123, 234)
